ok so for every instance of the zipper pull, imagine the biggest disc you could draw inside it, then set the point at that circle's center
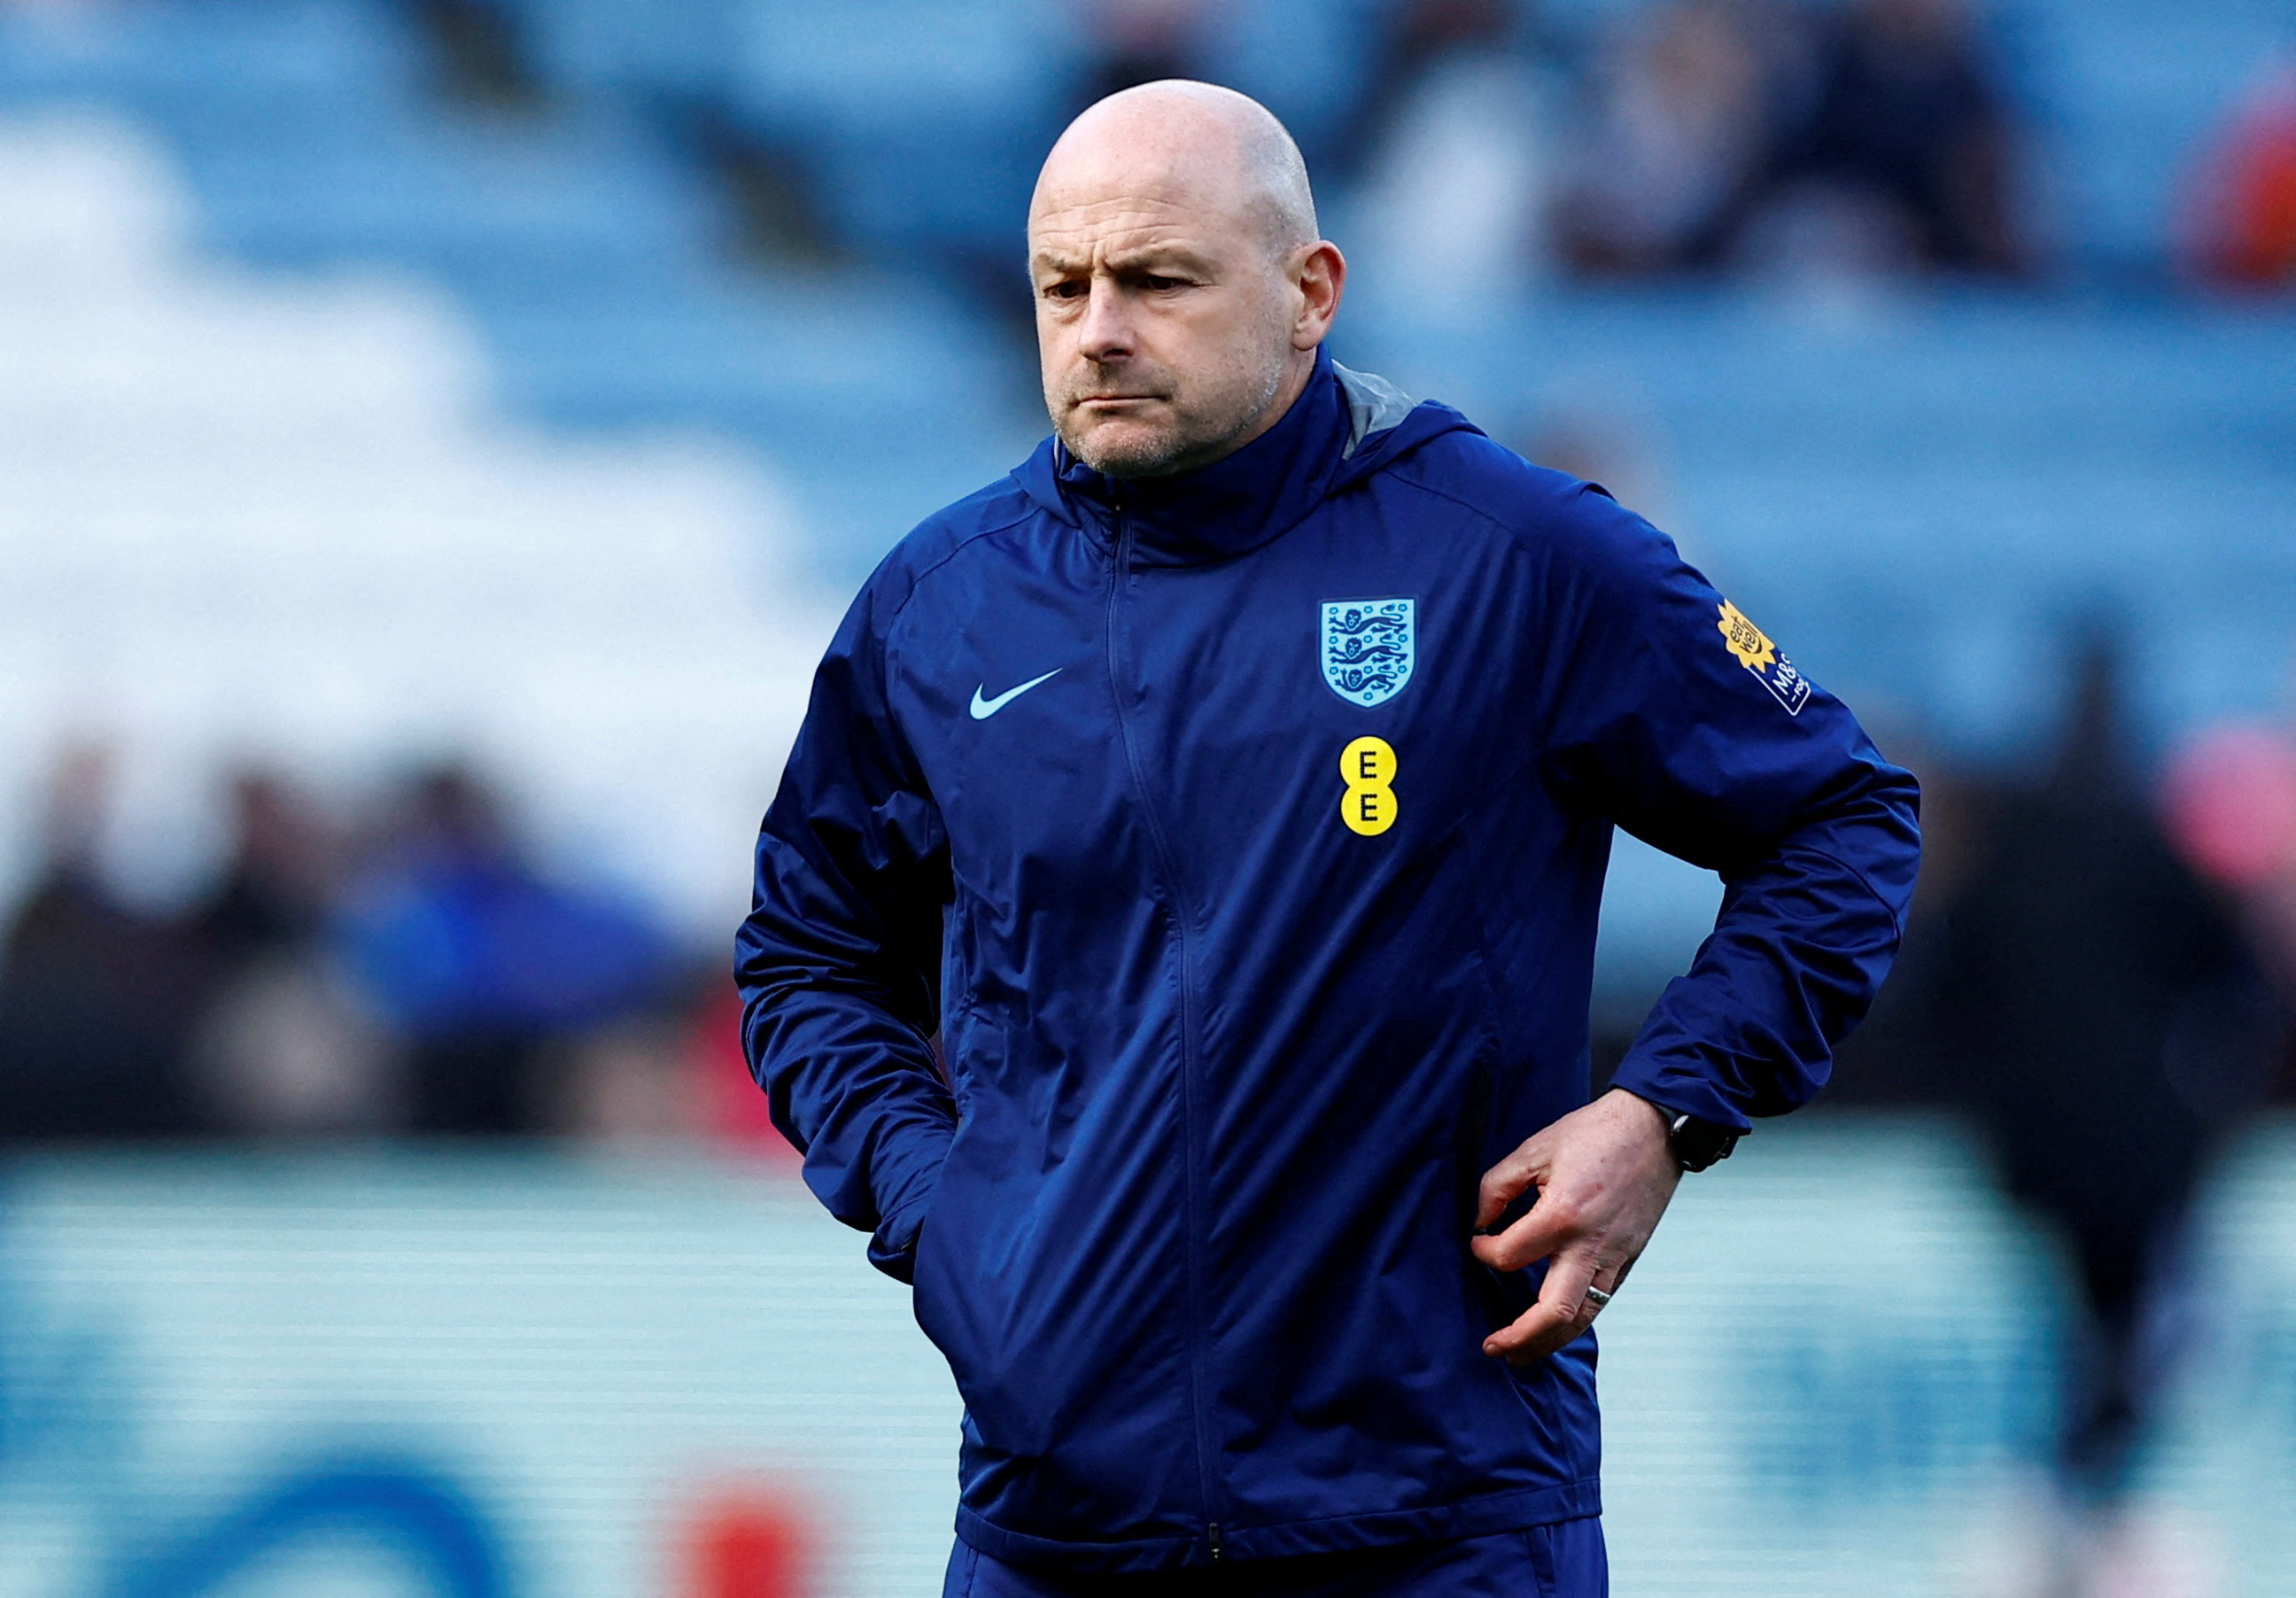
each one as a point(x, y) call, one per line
point(1214, 1530)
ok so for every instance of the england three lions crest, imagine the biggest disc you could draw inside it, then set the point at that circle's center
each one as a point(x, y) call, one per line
point(1369, 646)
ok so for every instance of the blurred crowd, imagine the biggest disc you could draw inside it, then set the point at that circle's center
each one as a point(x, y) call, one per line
point(409, 970)
point(2240, 229)
point(1492, 144)
point(1700, 135)
point(1876, 138)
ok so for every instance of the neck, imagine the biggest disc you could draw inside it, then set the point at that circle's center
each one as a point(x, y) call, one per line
point(1299, 366)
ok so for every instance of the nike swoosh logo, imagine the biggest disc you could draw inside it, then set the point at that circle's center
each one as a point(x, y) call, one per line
point(983, 708)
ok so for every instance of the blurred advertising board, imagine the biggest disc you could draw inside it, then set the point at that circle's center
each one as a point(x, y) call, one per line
point(483, 1373)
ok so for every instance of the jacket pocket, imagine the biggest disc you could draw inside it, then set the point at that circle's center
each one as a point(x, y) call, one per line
point(1501, 1296)
point(927, 1288)
point(942, 1258)
point(1474, 1138)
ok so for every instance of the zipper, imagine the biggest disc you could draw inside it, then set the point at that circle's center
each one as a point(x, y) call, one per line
point(1191, 1158)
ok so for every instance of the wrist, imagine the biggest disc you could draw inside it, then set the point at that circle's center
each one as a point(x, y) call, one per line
point(1693, 1143)
point(1658, 1115)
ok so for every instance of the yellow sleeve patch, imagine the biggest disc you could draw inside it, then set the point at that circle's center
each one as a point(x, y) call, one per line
point(1752, 649)
point(1749, 642)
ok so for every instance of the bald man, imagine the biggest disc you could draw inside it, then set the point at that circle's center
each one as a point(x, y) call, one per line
point(1229, 789)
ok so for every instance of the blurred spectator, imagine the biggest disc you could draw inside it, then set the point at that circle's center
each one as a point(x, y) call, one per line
point(479, 51)
point(676, 1075)
point(2231, 800)
point(734, 1114)
point(2241, 231)
point(1455, 174)
point(1897, 1060)
point(1679, 131)
point(482, 965)
point(1133, 42)
point(1416, 38)
point(1907, 148)
point(2092, 1003)
point(286, 1049)
point(274, 889)
point(282, 1047)
point(96, 998)
point(633, 1083)
point(1872, 140)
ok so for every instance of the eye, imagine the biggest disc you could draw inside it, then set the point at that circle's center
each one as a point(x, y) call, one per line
point(1156, 283)
point(1067, 289)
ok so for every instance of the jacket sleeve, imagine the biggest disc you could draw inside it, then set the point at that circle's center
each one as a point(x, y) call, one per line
point(1672, 714)
point(838, 962)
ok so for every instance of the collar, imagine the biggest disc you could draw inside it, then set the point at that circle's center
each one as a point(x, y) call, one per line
point(1236, 503)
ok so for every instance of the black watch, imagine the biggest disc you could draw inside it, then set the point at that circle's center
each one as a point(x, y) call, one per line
point(1697, 1144)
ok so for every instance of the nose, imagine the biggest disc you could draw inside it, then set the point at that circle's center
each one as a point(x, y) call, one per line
point(1106, 334)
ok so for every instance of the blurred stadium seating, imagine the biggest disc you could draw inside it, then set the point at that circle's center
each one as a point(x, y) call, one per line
point(1907, 492)
point(345, 418)
point(277, 516)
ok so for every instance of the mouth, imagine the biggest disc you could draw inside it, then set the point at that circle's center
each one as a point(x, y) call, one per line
point(1092, 400)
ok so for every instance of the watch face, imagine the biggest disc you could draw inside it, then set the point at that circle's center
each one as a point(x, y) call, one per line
point(1698, 1144)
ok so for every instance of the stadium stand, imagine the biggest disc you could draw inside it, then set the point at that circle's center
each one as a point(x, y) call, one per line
point(1964, 466)
point(255, 517)
point(311, 135)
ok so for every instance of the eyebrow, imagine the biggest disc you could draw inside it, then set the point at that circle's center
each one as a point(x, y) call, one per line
point(1145, 258)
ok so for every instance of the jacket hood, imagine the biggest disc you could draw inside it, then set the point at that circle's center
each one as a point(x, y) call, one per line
point(1345, 426)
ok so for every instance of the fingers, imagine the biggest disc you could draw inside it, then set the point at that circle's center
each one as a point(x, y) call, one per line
point(1603, 1176)
point(1562, 1312)
point(1560, 1218)
point(1509, 1180)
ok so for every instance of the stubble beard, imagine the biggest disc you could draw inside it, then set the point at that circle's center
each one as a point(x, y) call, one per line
point(1194, 438)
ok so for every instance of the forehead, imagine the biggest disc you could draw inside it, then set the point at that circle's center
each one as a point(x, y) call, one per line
point(1121, 230)
point(1089, 208)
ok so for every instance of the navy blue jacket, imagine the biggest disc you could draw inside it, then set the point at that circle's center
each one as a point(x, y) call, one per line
point(1241, 836)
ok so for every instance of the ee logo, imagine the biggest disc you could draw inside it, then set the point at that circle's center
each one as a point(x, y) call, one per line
point(1367, 767)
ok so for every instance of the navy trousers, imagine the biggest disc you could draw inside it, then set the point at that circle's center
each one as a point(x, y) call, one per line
point(1563, 1560)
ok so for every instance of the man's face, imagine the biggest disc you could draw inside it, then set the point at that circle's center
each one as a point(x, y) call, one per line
point(1164, 323)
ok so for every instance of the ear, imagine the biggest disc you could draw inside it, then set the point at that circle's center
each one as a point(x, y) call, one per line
point(1320, 274)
